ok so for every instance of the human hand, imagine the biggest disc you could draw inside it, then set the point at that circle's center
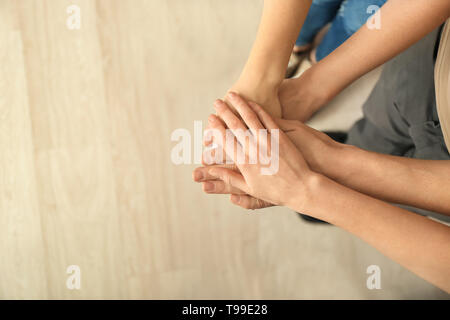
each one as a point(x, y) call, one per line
point(286, 186)
point(301, 97)
point(263, 93)
point(213, 185)
point(316, 147)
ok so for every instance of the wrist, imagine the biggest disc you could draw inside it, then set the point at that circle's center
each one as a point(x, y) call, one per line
point(261, 91)
point(259, 82)
point(266, 73)
point(302, 97)
point(338, 161)
point(309, 190)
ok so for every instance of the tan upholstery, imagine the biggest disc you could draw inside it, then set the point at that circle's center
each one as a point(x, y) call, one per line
point(442, 75)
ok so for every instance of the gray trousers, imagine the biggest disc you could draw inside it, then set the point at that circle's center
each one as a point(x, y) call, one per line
point(400, 115)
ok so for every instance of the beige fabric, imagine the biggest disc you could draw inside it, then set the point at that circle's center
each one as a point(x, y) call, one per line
point(442, 74)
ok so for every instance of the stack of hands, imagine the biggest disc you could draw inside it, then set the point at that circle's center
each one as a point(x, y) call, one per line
point(301, 152)
point(340, 184)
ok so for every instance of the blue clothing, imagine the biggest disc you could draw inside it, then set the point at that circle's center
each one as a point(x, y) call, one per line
point(346, 17)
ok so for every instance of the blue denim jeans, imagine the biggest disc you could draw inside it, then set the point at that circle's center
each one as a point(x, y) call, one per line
point(346, 17)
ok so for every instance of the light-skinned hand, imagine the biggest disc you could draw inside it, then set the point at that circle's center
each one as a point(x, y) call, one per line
point(280, 188)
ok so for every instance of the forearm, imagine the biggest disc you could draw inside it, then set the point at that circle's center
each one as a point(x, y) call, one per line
point(418, 183)
point(403, 23)
point(418, 243)
point(279, 28)
point(266, 66)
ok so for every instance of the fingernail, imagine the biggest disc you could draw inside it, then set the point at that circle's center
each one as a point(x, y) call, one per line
point(231, 95)
point(218, 104)
point(208, 186)
point(235, 198)
point(198, 175)
point(211, 118)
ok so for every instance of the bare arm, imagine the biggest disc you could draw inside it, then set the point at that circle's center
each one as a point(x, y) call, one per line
point(403, 23)
point(266, 66)
point(419, 183)
point(418, 243)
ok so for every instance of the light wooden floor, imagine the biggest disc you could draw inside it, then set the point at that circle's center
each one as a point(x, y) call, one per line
point(86, 176)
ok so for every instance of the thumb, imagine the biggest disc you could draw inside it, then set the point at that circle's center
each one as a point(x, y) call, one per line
point(230, 177)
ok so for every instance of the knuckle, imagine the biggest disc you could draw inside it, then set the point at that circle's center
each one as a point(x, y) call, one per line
point(255, 106)
point(219, 186)
point(241, 105)
point(234, 122)
point(226, 179)
point(251, 117)
point(258, 110)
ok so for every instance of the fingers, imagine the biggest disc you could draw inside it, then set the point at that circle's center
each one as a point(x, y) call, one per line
point(214, 155)
point(230, 177)
point(249, 202)
point(207, 138)
point(208, 135)
point(237, 131)
point(220, 187)
point(247, 114)
point(202, 173)
point(210, 183)
point(265, 118)
point(227, 142)
point(236, 125)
